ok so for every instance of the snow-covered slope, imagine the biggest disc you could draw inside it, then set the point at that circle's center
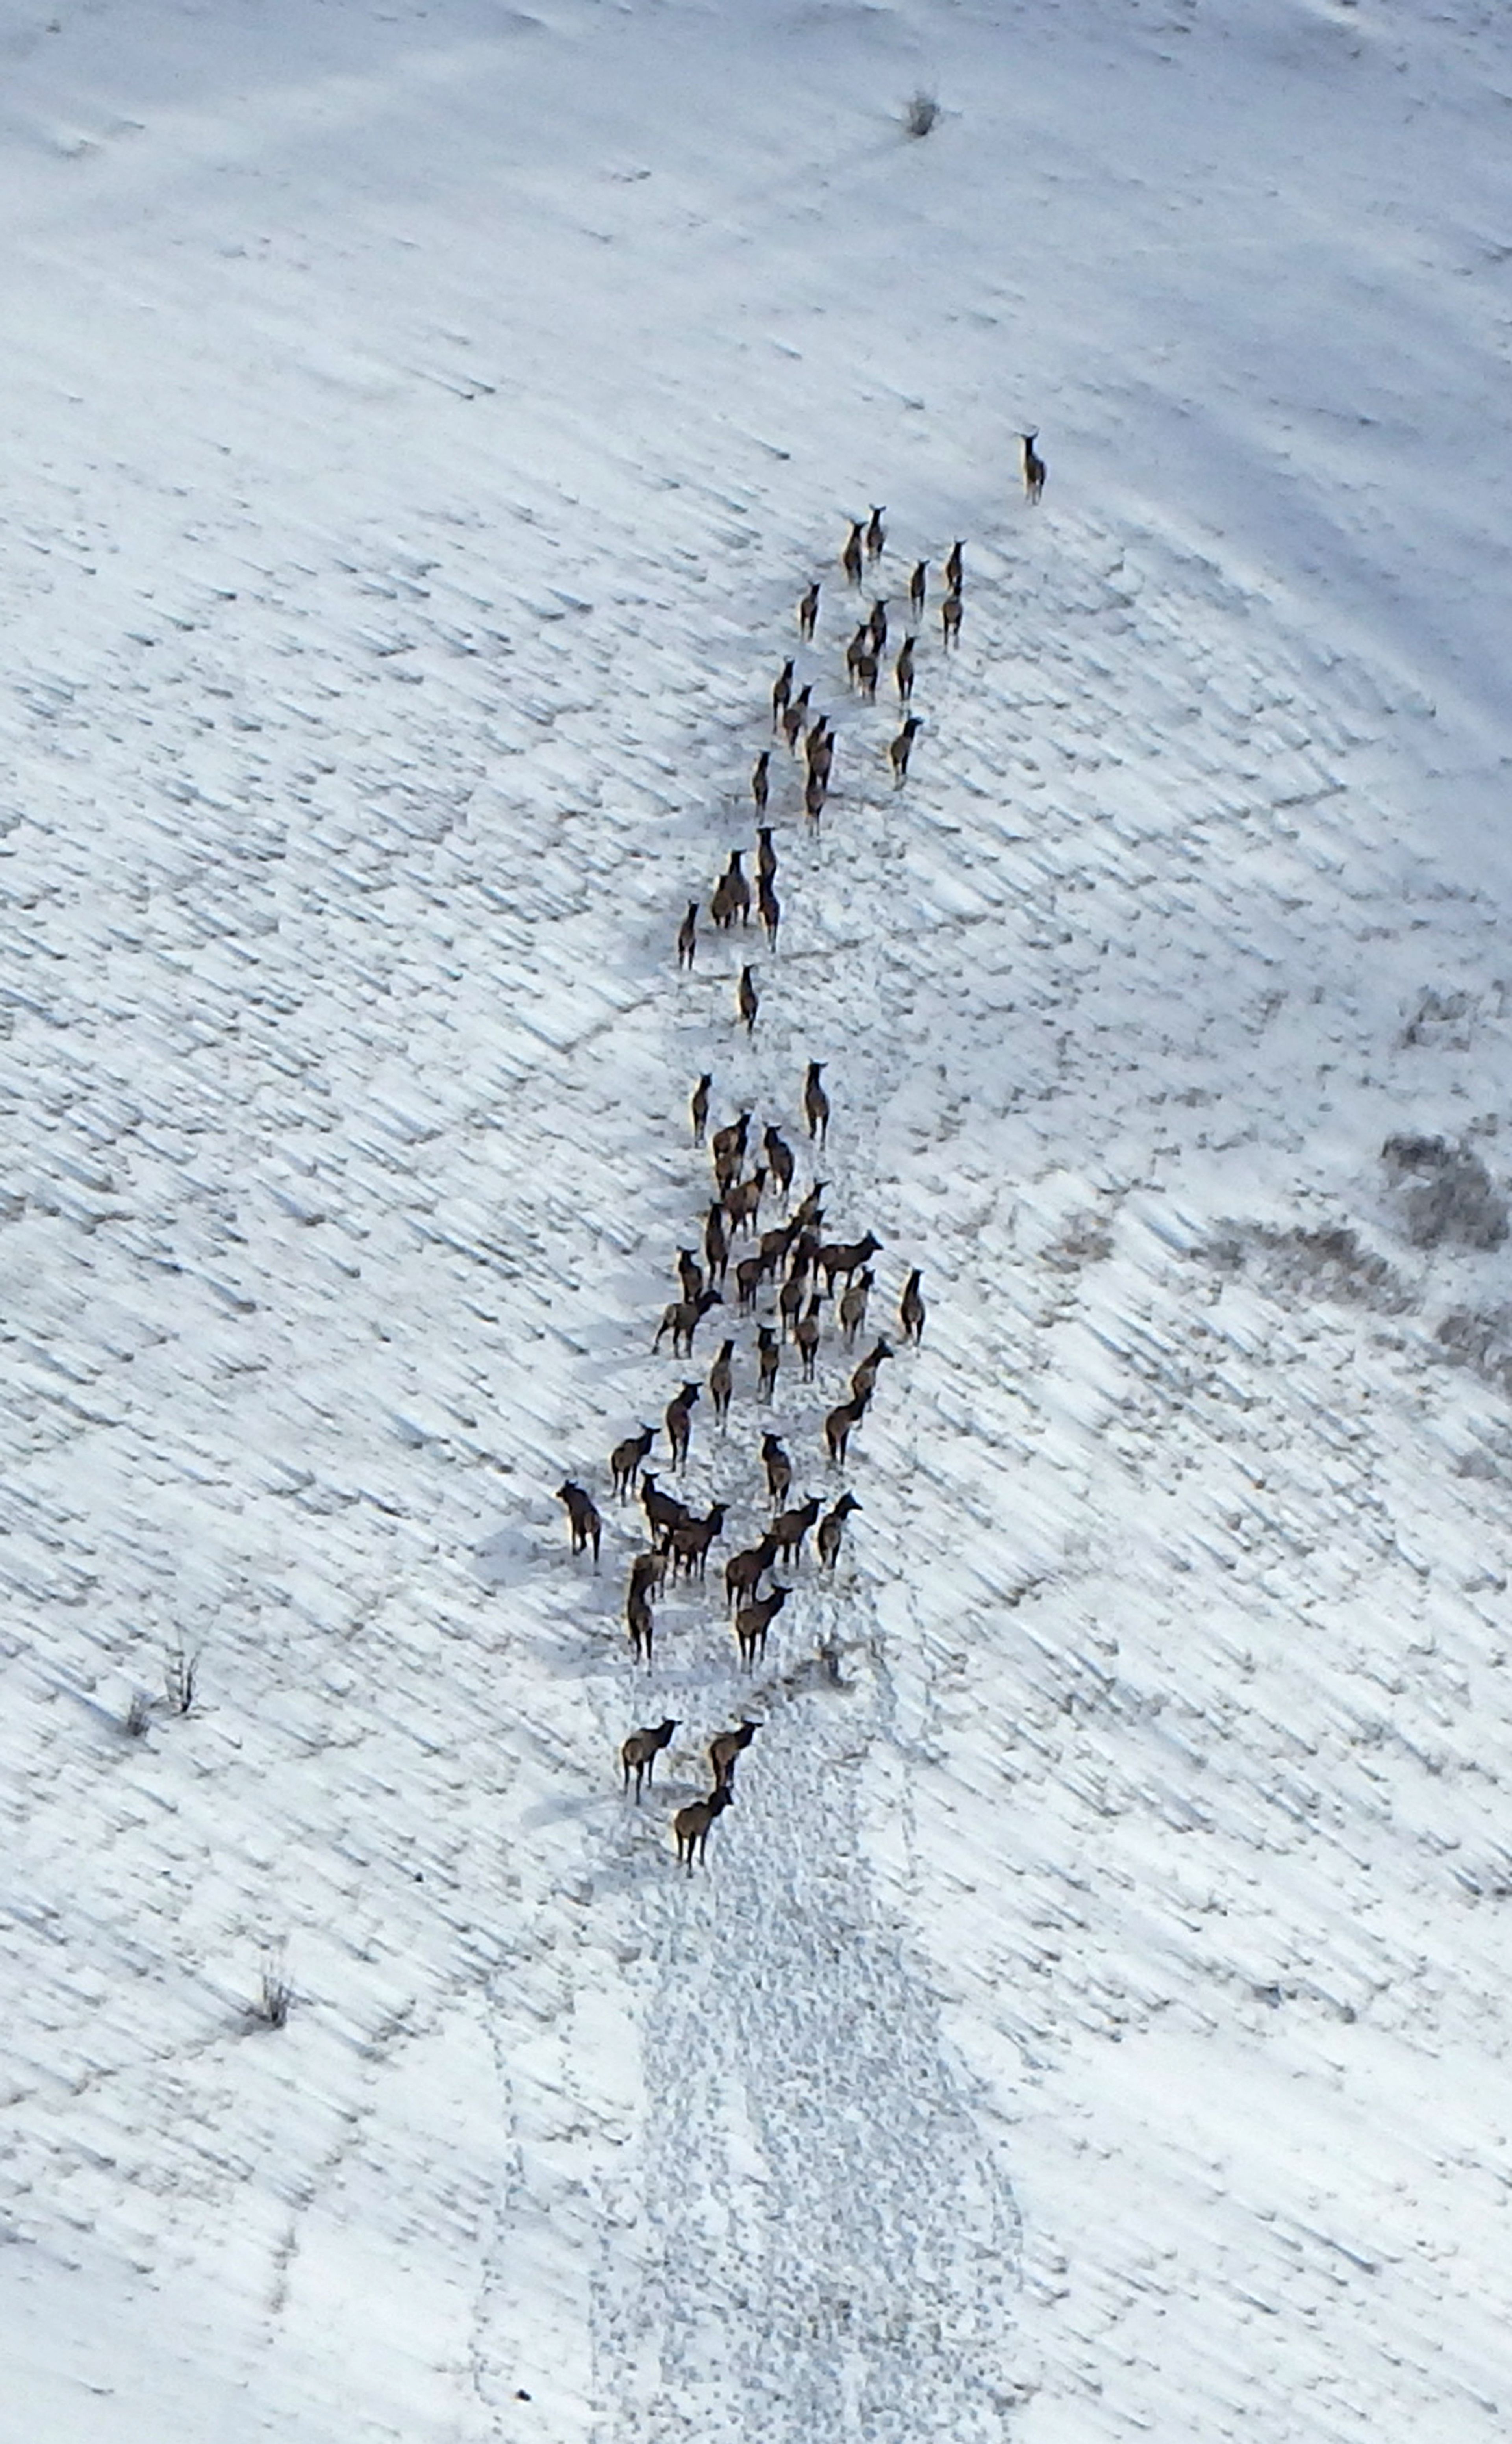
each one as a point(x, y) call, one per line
point(420, 425)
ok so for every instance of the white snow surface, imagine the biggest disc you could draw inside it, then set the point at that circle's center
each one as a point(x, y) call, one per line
point(1090, 2021)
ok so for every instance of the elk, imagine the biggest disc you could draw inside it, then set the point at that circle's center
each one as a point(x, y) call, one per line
point(952, 568)
point(790, 1298)
point(903, 670)
point(663, 1511)
point(728, 1147)
point(806, 1335)
point(911, 1310)
point(749, 1275)
point(778, 1470)
point(765, 855)
point(625, 1459)
point(688, 1545)
point(850, 556)
point(691, 1825)
point(688, 936)
point(787, 1533)
point(783, 691)
point(779, 1162)
point(853, 1309)
point(682, 1319)
point(821, 763)
point(811, 1211)
point(814, 793)
point(768, 1359)
point(716, 1244)
point(726, 1747)
point(641, 1622)
point(855, 652)
point(809, 612)
point(816, 1102)
point(755, 1619)
point(795, 717)
point(831, 1530)
point(698, 1106)
point(876, 627)
point(839, 1427)
point(690, 1273)
point(866, 668)
point(901, 747)
point(743, 1571)
point(1033, 464)
point(838, 1258)
point(918, 585)
point(743, 1201)
point(648, 1570)
point(875, 534)
point(863, 1383)
point(950, 621)
point(769, 908)
point(816, 739)
point(722, 1381)
point(747, 1000)
point(723, 905)
point(640, 1752)
point(760, 785)
point(680, 1423)
point(583, 1522)
point(738, 887)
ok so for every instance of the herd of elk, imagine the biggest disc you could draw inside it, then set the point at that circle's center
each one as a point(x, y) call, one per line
point(799, 1268)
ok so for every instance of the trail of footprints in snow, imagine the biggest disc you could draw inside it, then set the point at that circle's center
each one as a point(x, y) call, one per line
point(834, 2249)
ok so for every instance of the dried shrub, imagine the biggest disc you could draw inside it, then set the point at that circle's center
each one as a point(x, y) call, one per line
point(1448, 1197)
point(922, 114)
point(275, 1995)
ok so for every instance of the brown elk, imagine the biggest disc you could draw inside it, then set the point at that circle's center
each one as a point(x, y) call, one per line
point(855, 652)
point(831, 1530)
point(688, 937)
point(778, 1470)
point(821, 763)
point(814, 793)
point(768, 1359)
point(768, 907)
point(716, 1244)
point(811, 1210)
point(863, 1383)
point(840, 1258)
point(760, 785)
point(809, 612)
point(722, 1381)
point(918, 586)
point(648, 1570)
point(765, 855)
point(680, 1423)
point(901, 747)
point(807, 1335)
point(911, 1310)
point(755, 1619)
point(688, 1545)
point(877, 628)
point(747, 1000)
point(875, 534)
point(866, 669)
point(690, 1273)
point(783, 691)
point(743, 1571)
point(682, 1319)
point(743, 1201)
point(691, 1825)
point(625, 1459)
point(663, 1511)
point(950, 619)
point(839, 1426)
point(853, 1309)
point(726, 1747)
point(583, 1522)
point(727, 1149)
point(723, 905)
point(850, 556)
point(953, 569)
point(787, 1533)
point(816, 1102)
point(779, 1162)
point(640, 1752)
point(815, 740)
point(795, 717)
point(903, 670)
point(738, 886)
point(790, 1298)
point(698, 1106)
point(641, 1622)
point(749, 1275)
point(1034, 468)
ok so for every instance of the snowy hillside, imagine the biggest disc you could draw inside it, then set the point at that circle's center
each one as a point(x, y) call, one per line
point(1088, 2020)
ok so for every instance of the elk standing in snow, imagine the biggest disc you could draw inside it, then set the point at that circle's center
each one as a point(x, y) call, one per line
point(682, 1319)
point(747, 1000)
point(902, 747)
point(782, 692)
point(806, 1335)
point(911, 1310)
point(778, 1470)
point(743, 1201)
point(716, 1244)
point(795, 718)
point(583, 1518)
point(787, 1533)
point(950, 621)
point(903, 670)
point(863, 1383)
point(640, 1752)
point(680, 1423)
point(768, 1359)
point(831, 1530)
point(765, 855)
point(688, 1545)
point(808, 613)
point(1033, 466)
point(877, 628)
point(853, 1309)
point(728, 1150)
point(726, 1747)
point(690, 1273)
point(722, 1381)
point(866, 675)
point(760, 785)
point(952, 568)
point(625, 1459)
point(688, 936)
point(755, 1619)
point(769, 908)
point(850, 556)
point(743, 1571)
point(917, 586)
point(663, 1511)
point(698, 1106)
point(841, 1257)
point(779, 1162)
point(875, 534)
point(856, 652)
point(816, 1102)
point(641, 1622)
point(691, 1825)
point(840, 1425)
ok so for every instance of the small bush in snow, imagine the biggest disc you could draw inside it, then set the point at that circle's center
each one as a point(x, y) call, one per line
point(1448, 1195)
point(178, 1681)
point(139, 1715)
point(275, 1995)
point(921, 113)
